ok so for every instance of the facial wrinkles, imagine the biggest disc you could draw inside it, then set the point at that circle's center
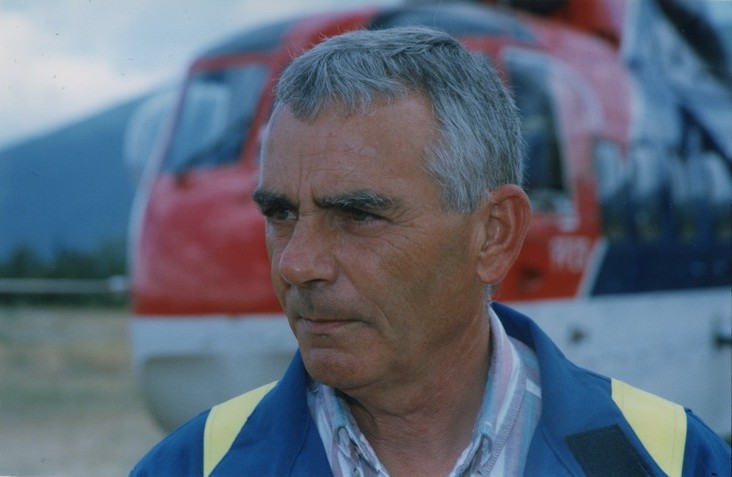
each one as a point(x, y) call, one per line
point(311, 303)
point(346, 299)
point(400, 272)
point(401, 257)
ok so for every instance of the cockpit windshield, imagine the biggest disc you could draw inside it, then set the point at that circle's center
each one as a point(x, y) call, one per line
point(216, 114)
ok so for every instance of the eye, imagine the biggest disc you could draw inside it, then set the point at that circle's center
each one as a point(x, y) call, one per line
point(358, 215)
point(279, 214)
point(274, 207)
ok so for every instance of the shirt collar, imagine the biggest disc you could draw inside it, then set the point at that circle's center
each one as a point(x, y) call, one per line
point(501, 400)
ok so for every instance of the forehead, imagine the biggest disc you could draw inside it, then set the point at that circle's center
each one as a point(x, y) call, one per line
point(382, 148)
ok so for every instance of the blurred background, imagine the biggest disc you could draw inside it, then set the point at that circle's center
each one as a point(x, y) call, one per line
point(72, 72)
point(72, 75)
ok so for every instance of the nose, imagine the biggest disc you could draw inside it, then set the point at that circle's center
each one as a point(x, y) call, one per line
point(307, 255)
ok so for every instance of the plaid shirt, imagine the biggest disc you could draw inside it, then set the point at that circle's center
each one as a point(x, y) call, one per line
point(501, 436)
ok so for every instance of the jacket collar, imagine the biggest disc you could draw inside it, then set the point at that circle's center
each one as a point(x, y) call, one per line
point(574, 400)
point(280, 437)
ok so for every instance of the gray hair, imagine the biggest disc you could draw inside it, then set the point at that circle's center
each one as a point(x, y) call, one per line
point(479, 141)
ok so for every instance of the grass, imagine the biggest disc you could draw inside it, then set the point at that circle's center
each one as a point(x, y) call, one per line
point(69, 404)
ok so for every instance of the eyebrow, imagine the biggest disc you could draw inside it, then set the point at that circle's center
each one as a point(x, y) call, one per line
point(266, 200)
point(361, 199)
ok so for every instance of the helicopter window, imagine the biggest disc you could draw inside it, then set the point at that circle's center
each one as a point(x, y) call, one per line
point(544, 175)
point(146, 131)
point(720, 189)
point(682, 198)
point(612, 175)
point(217, 111)
point(646, 182)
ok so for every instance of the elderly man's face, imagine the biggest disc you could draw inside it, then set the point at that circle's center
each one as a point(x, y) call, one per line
point(374, 276)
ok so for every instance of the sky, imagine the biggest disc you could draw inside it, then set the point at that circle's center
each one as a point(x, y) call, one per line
point(61, 60)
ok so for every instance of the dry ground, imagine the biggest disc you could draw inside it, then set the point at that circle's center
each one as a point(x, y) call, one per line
point(69, 405)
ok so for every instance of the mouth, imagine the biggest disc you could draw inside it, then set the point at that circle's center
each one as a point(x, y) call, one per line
point(321, 327)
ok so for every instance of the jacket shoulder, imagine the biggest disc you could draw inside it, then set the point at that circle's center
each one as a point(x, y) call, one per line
point(705, 452)
point(224, 422)
point(180, 453)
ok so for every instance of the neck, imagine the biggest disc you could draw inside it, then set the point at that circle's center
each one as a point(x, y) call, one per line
point(421, 426)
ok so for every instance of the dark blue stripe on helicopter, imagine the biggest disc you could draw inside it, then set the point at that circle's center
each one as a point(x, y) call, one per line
point(631, 267)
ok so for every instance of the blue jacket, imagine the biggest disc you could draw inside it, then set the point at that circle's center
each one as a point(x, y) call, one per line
point(582, 430)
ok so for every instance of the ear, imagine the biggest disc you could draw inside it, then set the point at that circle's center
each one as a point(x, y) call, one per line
point(506, 214)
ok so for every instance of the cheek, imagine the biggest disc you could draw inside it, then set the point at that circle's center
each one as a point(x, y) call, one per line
point(278, 284)
point(275, 244)
point(412, 261)
point(269, 242)
point(393, 278)
point(431, 275)
point(398, 255)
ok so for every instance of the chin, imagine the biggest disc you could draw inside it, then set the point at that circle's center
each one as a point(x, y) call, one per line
point(334, 368)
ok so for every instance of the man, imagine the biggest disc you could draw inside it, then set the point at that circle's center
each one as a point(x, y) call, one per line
point(389, 184)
